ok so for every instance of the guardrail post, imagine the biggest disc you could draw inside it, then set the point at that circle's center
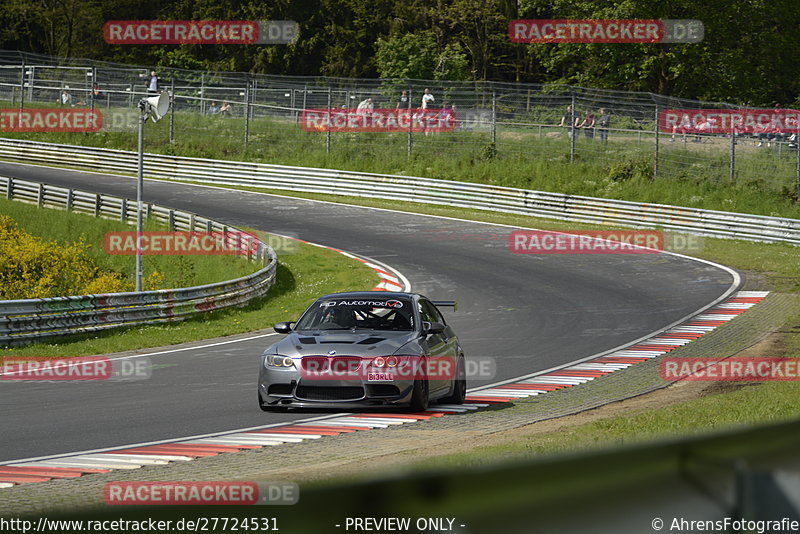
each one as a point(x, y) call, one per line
point(123, 210)
point(733, 156)
point(97, 200)
point(328, 132)
point(410, 126)
point(10, 189)
point(494, 123)
point(191, 222)
point(171, 220)
point(70, 198)
point(572, 130)
point(209, 226)
point(246, 111)
point(655, 163)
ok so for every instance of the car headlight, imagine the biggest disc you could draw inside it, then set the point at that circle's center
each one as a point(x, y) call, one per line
point(276, 360)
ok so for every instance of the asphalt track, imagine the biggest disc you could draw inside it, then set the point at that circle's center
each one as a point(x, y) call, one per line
point(530, 312)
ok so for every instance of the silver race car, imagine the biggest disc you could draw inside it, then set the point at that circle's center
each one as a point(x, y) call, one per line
point(352, 350)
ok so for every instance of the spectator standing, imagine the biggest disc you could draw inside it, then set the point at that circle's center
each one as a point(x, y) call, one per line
point(427, 99)
point(570, 120)
point(404, 102)
point(603, 123)
point(153, 83)
point(588, 124)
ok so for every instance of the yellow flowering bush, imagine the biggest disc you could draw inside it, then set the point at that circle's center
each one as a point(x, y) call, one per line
point(33, 268)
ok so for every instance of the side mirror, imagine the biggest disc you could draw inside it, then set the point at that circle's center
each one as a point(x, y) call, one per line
point(283, 327)
point(433, 328)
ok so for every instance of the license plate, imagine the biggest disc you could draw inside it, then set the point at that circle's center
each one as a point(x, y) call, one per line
point(380, 377)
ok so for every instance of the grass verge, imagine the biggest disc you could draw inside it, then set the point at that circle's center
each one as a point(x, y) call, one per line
point(301, 278)
point(176, 271)
point(690, 174)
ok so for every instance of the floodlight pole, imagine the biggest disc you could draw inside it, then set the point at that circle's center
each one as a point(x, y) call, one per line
point(139, 190)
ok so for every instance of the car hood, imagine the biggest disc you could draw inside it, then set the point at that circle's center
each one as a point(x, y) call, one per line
point(345, 343)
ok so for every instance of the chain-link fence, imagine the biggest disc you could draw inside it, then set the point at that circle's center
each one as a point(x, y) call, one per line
point(548, 122)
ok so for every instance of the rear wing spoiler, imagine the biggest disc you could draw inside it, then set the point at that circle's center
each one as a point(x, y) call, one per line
point(446, 303)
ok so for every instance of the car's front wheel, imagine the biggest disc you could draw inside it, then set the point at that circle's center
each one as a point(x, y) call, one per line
point(459, 385)
point(420, 397)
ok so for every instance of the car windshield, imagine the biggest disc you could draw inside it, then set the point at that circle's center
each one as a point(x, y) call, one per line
point(347, 314)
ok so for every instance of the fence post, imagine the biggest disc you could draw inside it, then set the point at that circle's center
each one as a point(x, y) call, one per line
point(94, 83)
point(797, 150)
point(328, 129)
point(494, 123)
point(246, 111)
point(172, 108)
point(202, 93)
point(410, 126)
point(572, 130)
point(22, 89)
point(655, 164)
point(733, 155)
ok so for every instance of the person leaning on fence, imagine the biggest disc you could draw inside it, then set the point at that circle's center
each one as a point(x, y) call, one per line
point(570, 120)
point(588, 124)
point(603, 123)
point(364, 109)
point(213, 109)
point(225, 110)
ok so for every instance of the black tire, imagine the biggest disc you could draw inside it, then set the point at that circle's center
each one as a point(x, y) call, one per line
point(460, 385)
point(420, 398)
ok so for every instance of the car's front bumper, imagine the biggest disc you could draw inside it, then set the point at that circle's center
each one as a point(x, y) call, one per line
point(286, 388)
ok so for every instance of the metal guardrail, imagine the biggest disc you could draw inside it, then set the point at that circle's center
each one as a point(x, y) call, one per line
point(412, 189)
point(32, 319)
